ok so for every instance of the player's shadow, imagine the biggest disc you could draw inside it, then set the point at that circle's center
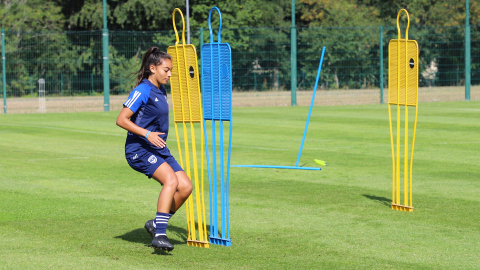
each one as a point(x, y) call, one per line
point(382, 200)
point(143, 237)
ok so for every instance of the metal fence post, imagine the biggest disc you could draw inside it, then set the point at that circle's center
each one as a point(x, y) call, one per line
point(187, 9)
point(467, 54)
point(4, 75)
point(200, 58)
point(381, 65)
point(121, 84)
point(293, 57)
point(106, 68)
point(41, 95)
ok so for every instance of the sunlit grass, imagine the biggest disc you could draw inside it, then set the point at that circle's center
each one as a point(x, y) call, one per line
point(68, 198)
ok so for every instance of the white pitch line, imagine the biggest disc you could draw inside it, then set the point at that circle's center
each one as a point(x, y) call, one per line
point(237, 146)
point(225, 145)
point(454, 143)
point(66, 129)
point(461, 109)
point(57, 158)
point(261, 148)
point(384, 145)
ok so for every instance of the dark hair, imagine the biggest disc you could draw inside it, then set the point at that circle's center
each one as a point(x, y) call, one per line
point(152, 57)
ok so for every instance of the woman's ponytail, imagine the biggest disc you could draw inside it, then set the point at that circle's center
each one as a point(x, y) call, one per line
point(152, 57)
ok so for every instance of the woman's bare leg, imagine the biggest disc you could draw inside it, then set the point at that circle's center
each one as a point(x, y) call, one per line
point(184, 189)
point(167, 177)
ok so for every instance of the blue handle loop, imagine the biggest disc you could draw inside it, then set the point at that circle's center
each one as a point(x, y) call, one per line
point(175, 27)
point(210, 24)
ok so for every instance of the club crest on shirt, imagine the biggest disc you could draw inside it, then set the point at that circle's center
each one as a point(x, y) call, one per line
point(152, 159)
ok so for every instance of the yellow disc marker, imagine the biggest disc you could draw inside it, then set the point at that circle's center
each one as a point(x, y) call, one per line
point(187, 109)
point(402, 91)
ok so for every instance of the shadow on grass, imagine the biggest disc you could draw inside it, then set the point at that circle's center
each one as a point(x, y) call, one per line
point(143, 237)
point(382, 200)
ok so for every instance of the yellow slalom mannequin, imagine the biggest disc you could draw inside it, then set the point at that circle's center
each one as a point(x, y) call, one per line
point(187, 109)
point(402, 91)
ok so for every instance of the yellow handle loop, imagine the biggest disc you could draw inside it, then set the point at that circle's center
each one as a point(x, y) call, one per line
point(175, 28)
point(398, 24)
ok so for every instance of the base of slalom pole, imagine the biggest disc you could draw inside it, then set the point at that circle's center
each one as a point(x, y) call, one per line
point(220, 241)
point(196, 243)
point(278, 167)
point(404, 208)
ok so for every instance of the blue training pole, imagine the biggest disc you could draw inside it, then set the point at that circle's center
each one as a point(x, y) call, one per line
point(222, 159)
point(209, 175)
point(214, 179)
point(311, 106)
point(214, 143)
point(227, 236)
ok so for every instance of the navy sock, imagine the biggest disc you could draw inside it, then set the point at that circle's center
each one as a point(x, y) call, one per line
point(171, 214)
point(161, 222)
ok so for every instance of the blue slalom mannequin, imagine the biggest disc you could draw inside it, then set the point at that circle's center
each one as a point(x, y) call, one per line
point(217, 107)
point(304, 133)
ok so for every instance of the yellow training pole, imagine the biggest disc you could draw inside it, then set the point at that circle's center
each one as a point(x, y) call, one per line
point(398, 125)
point(405, 155)
point(398, 148)
point(188, 203)
point(393, 153)
point(202, 139)
point(188, 110)
point(403, 91)
point(192, 132)
point(413, 146)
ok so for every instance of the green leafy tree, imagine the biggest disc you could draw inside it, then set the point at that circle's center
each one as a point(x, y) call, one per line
point(257, 30)
point(437, 25)
point(345, 28)
point(259, 38)
point(34, 43)
point(136, 15)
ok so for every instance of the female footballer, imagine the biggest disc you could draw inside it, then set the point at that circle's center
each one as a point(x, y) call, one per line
point(145, 117)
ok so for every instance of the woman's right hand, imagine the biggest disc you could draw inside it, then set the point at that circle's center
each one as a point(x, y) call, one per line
point(155, 139)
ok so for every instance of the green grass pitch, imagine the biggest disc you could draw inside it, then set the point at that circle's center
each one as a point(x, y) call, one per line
point(68, 198)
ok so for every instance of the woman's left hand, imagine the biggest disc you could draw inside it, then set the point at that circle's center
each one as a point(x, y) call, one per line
point(123, 120)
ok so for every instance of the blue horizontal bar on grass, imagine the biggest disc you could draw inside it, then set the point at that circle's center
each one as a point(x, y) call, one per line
point(278, 167)
point(220, 241)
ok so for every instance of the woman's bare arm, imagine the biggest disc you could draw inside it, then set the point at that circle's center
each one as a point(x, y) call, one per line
point(123, 121)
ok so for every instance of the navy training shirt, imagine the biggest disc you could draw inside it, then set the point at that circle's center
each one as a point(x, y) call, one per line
point(150, 111)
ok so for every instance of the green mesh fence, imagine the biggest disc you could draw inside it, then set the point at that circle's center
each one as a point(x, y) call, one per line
point(71, 63)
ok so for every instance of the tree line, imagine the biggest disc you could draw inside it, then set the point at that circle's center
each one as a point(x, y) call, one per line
point(155, 15)
point(62, 38)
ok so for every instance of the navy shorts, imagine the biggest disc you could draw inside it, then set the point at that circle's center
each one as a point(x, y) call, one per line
point(147, 162)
